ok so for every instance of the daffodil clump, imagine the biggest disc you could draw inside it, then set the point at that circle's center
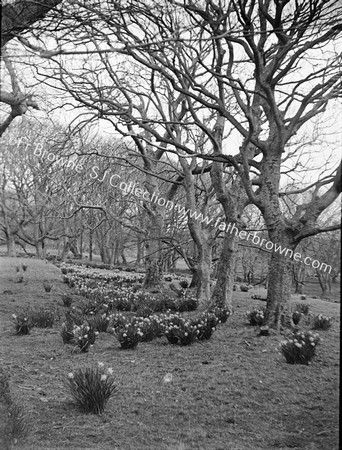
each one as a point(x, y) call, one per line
point(152, 327)
point(206, 325)
point(296, 316)
point(91, 387)
point(256, 317)
point(22, 323)
point(100, 322)
point(321, 322)
point(304, 308)
point(179, 330)
point(129, 335)
point(300, 348)
point(222, 313)
point(66, 299)
point(84, 336)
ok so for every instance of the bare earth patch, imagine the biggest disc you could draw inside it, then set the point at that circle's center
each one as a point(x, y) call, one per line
point(233, 392)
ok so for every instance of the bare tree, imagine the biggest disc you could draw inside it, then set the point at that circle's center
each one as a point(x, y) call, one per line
point(256, 68)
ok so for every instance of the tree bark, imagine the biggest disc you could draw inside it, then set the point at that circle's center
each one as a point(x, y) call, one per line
point(223, 291)
point(154, 263)
point(40, 249)
point(279, 278)
point(203, 273)
point(11, 245)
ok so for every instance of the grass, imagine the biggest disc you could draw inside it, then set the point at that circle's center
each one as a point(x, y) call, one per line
point(233, 392)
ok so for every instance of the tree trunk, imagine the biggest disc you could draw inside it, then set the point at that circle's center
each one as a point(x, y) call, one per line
point(11, 245)
point(279, 279)
point(140, 251)
point(154, 263)
point(195, 280)
point(203, 273)
point(298, 278)
point(325, 284)
point(40, 249)
point(223, 291)
point(90, 245)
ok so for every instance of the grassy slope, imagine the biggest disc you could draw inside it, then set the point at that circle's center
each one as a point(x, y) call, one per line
point(233, 392)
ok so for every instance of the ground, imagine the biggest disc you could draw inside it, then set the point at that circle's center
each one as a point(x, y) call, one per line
point(234, 392)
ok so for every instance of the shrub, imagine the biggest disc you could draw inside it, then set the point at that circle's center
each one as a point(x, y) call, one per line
point(22, 323)
point(64, 270)
point(303, 308)
point(256, 316)
point(296, 316)
point(85, 336)
point(92, 387)
point(66, 299)
point(300, 348)
point(42, 318)
point(321, 322)
point(129, 335)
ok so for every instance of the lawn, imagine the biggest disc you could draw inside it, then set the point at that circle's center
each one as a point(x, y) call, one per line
point(233, 392)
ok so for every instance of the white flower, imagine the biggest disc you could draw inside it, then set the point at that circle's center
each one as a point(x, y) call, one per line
point(103, 377)
point(298, 345)
point(70, 376)
point(14, 316)
point(100, 364)
point(110, 371)
point(168, 378)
